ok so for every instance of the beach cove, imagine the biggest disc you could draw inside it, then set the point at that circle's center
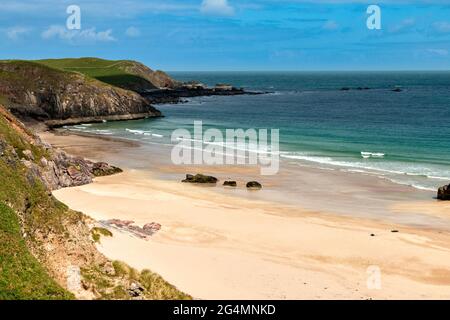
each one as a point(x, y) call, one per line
point(217, 243)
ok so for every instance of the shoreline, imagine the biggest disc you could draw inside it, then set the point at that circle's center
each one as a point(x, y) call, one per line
point(241, 247)
point(354, 194)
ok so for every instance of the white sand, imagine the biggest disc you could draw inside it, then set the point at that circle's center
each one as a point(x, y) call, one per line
point(215, 246)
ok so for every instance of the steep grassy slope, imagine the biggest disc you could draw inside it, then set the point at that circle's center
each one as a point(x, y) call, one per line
point(40, 238)
point(130, 75)
point(41, 92)
point(21, 275)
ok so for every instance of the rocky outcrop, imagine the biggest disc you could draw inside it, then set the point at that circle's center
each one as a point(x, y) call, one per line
point(254, 185)
point(60, 97)
point(128, 226)
point(54, 167)
point(230, 184)
point(185, 91)
point(200, 178)
point(62, 170)
point(444, 193)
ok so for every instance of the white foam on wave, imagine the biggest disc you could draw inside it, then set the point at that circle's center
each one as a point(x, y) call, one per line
point(103, 132)
point(419, 176)
point(138, 132)
point(367, 155)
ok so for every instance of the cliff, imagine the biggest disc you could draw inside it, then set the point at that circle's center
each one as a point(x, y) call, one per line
point(42, 242)
point(59, 97)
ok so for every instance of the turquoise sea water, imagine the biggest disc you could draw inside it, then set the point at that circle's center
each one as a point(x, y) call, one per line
point(402, 136)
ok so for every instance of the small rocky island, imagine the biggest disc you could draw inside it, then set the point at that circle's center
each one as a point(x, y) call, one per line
point(192, 89)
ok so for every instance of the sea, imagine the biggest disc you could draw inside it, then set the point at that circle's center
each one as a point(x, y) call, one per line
point(395, 125)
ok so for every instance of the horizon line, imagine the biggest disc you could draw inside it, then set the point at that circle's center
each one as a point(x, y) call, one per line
point(318, 70)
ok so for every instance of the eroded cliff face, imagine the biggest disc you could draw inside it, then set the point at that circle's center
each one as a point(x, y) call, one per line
point(59, 97)
point(46, 248)
point(156, 79)
point(53, 167)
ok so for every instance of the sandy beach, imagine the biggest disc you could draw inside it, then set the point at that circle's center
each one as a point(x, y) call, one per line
point(218, 243)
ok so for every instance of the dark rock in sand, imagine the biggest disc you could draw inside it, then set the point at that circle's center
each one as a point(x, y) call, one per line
point(151, 228)
point(254, 185)
point(230, 183)
point(101, 169)
point(200, 178)
point(444, 193)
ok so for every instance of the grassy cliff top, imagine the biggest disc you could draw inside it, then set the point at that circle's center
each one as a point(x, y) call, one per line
point(125, 74)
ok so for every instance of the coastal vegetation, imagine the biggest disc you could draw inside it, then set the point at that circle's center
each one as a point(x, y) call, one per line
point(97, 232)
point(41, 237)
point(125, 74)
point(22, 276)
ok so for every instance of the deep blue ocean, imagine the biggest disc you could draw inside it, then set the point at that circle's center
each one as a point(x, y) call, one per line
point(403, 136)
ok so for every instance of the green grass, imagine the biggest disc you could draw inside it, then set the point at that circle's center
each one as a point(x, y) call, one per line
point(97, 232)
point(110, 286)
point(21, 275)
point(24, 197)
point(24, 74)
point(108, 71)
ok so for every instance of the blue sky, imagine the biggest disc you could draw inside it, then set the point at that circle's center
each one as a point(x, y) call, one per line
point(233, 35)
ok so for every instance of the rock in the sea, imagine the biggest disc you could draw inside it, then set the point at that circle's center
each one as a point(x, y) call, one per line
point(230, 183)
point(397, 90)
point(200, 178)
point(254, 185)
point(444, 193)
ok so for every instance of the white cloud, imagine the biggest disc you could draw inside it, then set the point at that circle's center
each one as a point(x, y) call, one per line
point(84, 35)
point(404, 25)
point(330, 25)
point(217, 7)
point(14, 33)
point(133, 32)
point(442, 26)
point(438, 52)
